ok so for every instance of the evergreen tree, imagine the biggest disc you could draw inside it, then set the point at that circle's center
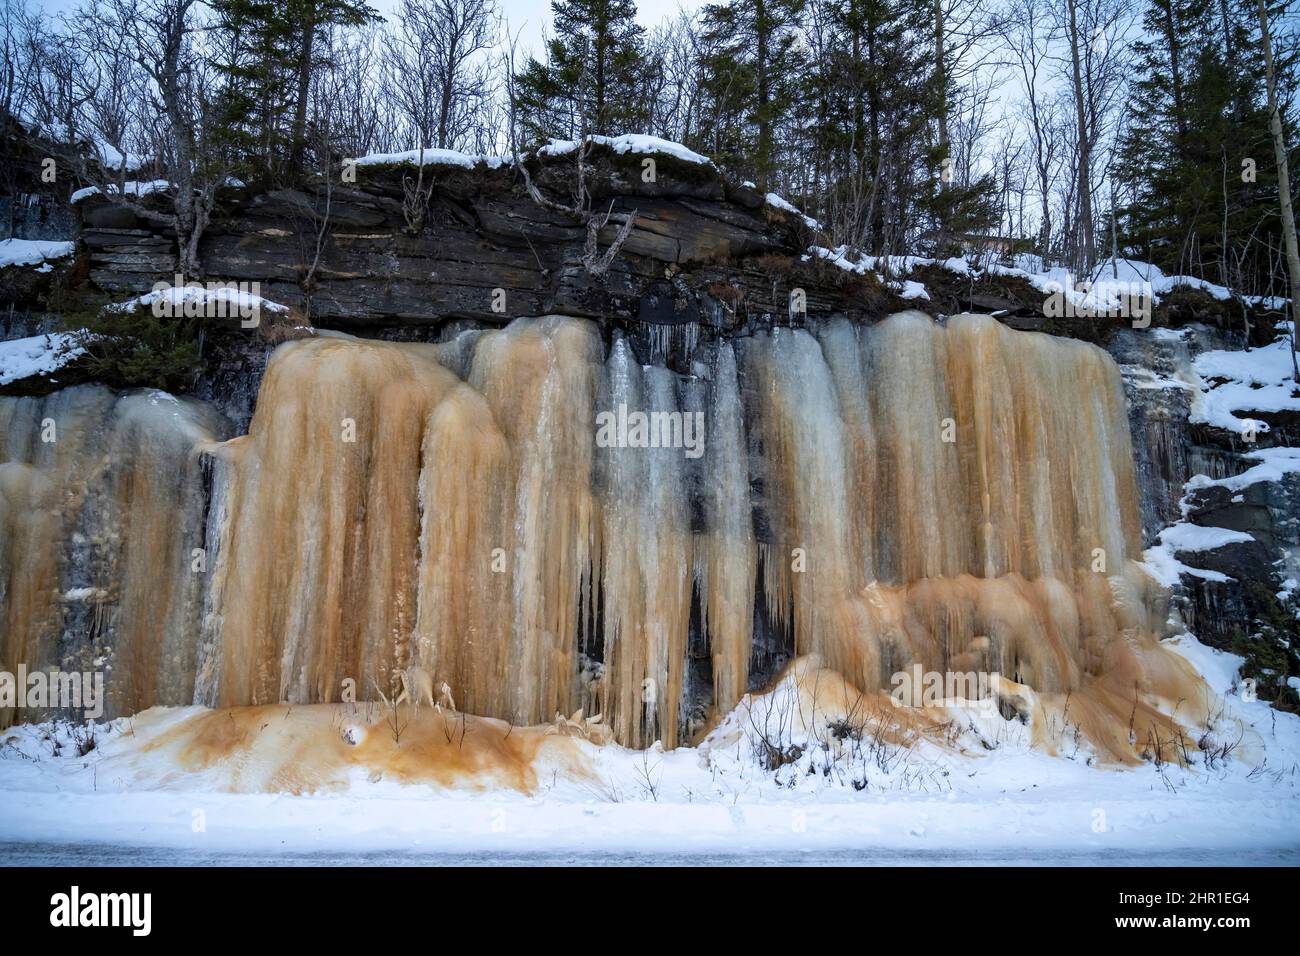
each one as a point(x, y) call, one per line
point(274, 51)
point(591, 77)
point(874, 116)
point(1197, 113)
point(752, 73)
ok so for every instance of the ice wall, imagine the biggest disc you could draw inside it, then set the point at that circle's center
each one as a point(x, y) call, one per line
point(960, 496)
point(102, 505)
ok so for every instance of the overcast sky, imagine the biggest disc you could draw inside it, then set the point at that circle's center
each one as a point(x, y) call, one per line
point(528, 18)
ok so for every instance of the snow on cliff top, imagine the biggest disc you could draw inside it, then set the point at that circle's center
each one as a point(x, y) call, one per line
point(131, 188)
point(1104, 291)
point(630, 143)
point(430, 157)
point(32, 252)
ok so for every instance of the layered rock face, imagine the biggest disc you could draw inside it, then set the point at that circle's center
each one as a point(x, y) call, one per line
point(1222, 502)
point(485, 250)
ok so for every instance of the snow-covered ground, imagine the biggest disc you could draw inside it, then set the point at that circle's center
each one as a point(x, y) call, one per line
point(430, 157)
point(631, 143)
point(36, 355)
point(638, 143)
point(1114, 285)
point(129, 801)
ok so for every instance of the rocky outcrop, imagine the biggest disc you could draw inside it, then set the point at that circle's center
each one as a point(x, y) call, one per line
point(703, 250)
point(1238, 595)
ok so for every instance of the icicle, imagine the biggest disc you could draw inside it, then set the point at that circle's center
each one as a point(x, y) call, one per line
point(727, 554)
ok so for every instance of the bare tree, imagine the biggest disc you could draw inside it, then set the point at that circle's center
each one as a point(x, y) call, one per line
point(436, 68)
point(1028, 37)
point(593, 260)
point(960, 29)
point(349, 98)
point(169, 75)
point(1094, 69)
point(1085, 149)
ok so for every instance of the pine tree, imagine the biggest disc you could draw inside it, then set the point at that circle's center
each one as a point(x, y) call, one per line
point(752, 73)
point(273, 55)
point(872, 115)
point(589, 82)
point(1197, 114)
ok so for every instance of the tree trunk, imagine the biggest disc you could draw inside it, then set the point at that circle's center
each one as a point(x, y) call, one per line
point(1086, 252)
point(299, 133)
point(946, 170)
point(445, 100)
point(941, 79)
point(189, 219)
point(761, 29)
point(1283, 184)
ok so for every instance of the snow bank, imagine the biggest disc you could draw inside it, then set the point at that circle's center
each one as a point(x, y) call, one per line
point(38, 355)
point(1108, 285)
point(1275, 464)
point(131, 188)
point(33, 252)
point(177, 297)
point(1128, 271)
point(630, 143)
point(430, 157)
point(1168, 570)
point(1110, 289)
point(1254, 380)
point(1185, 536)
point(1010, 801)
point(786, 206)
point(882, 267)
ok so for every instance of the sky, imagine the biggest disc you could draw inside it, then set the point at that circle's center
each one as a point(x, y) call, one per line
point(531, 17)
point(528, 18)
